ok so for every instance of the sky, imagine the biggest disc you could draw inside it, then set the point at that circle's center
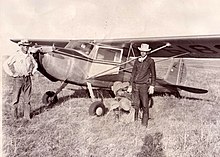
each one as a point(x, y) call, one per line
point(105, 19)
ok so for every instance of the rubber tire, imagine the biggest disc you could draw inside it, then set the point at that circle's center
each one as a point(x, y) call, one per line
point(47, 95)
point(94, 106)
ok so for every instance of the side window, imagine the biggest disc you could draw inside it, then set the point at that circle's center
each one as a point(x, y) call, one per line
point(85, 48)
point(109, 54)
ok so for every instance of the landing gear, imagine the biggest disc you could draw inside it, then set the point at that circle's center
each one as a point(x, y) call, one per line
point(91, 93)
point(97, 108)
point(49, 98)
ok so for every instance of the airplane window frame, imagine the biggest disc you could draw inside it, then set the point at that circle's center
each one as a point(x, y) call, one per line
point(106, 52)
point(82, 47)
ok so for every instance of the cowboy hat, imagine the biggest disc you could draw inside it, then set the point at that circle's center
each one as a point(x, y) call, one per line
point(24, 42)
point(144, 47)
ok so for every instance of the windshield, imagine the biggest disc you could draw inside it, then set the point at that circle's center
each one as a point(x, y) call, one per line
point(85, 48)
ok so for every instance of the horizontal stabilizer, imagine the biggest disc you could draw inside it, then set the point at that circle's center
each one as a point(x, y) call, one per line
point(191, 89)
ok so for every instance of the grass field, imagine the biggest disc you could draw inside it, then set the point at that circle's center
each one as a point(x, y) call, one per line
point(177, 128)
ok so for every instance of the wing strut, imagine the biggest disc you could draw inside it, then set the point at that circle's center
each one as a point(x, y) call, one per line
point(182, 54)
point(157, 49)
point(112, 68)
point(89, 85)
point(130, 49)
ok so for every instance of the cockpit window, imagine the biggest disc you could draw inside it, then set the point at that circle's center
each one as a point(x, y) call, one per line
point(109, 54)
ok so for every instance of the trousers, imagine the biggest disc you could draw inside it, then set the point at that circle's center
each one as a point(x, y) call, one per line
point(22, 84)
point(140, 100)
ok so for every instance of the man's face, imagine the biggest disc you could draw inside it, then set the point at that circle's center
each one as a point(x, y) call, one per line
point(24, 48)
point(143, 53)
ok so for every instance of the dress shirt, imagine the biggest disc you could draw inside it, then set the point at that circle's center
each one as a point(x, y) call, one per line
point(20, 64)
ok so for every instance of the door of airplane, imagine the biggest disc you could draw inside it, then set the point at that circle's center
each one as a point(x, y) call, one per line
point(105, 61)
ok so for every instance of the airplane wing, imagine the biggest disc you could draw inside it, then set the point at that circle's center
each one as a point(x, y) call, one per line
point(184, 46)
point(191, 46)
point(45, 42)
point(59, 43)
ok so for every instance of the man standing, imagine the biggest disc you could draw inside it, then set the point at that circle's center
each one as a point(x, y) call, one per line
point(21, 66)
point(143, 81)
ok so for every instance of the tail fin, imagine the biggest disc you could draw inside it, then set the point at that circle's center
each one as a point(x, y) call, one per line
point(176, 71)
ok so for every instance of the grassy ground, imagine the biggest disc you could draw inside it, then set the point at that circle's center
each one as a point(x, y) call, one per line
point(178, 127)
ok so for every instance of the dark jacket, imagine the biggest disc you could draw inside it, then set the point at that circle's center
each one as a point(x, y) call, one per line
point(144, 72)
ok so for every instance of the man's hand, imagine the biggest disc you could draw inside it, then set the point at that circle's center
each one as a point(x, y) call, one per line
point(129, 89)
point(14, 75)
point(151, 90)
point(32, 73)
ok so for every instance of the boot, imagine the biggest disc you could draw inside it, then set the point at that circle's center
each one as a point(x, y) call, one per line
point(15, 110)
point(145, 118)
point(27, 111)
point(136, 115)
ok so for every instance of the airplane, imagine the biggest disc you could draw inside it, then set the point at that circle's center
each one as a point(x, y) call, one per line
point(101, 62)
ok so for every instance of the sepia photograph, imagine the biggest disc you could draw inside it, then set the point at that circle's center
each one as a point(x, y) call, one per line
point(117, 78)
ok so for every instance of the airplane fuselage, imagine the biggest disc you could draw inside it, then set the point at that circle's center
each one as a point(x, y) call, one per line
point(77, 63)
point(77, 68)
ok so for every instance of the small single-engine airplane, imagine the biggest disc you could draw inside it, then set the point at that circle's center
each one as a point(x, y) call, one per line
point(100, 63)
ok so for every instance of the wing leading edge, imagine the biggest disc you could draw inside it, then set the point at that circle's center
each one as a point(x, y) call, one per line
point(190, 46)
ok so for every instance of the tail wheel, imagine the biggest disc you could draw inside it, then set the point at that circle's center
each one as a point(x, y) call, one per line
point(49, 98)
point(97, 108)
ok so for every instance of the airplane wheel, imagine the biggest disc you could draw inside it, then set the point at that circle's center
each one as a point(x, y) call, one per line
point(49, 98)
point(97, 108)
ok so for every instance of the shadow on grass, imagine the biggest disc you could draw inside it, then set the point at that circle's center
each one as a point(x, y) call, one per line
point(193, 98)
point(181, 97)
point(152, 146)
point(79, 93)
point(83, 93)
